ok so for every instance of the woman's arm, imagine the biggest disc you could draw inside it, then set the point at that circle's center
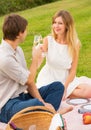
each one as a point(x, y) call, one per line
point(73, 69)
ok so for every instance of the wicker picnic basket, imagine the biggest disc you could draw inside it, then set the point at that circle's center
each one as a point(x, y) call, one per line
point(32, 118)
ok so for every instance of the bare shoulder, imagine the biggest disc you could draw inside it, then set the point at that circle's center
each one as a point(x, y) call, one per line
point(45, 40)
point(78, 45)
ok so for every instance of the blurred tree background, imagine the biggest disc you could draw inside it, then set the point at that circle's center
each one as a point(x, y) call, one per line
point(10, 6)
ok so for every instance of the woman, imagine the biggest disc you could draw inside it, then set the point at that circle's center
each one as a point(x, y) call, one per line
point(62, 52)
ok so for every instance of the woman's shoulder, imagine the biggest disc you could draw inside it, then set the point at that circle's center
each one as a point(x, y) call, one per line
point(48, 38)
point(78, 43)
point(47, 41)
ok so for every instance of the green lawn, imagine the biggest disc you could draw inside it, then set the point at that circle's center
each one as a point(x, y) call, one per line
point(39, 19)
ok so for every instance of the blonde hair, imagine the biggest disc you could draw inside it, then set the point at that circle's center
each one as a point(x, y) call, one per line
point(71, 35)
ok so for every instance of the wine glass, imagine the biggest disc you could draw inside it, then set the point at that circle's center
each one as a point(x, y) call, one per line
point(37, 40)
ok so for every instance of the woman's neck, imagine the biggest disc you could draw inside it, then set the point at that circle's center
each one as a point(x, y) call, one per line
point(61, 39)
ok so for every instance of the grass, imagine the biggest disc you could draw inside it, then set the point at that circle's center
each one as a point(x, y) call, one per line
point(39, 19)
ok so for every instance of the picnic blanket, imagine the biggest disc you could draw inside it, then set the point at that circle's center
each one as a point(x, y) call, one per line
point(73, 119)
point(2, 126)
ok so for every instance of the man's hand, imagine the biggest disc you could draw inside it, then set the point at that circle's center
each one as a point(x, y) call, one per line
point(49, 106)
point(37, 54)
point(64, 95)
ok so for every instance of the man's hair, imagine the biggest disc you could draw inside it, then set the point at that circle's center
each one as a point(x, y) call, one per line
point(13, 25)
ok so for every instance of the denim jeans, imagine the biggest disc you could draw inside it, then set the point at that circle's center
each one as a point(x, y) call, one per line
point(51, 93)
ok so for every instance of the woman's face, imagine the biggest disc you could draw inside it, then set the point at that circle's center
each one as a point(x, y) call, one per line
point(59, 26)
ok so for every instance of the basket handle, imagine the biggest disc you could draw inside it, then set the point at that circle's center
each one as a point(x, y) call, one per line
point(32, 109)
point(36, 108)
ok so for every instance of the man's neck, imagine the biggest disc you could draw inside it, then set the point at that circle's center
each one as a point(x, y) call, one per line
point(13, 44)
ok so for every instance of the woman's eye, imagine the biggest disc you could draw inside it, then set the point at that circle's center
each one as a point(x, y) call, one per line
point(60, 23)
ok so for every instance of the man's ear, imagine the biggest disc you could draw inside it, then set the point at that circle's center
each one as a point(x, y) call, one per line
point(20, 34)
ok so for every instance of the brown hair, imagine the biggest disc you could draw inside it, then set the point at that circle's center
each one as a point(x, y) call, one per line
point(13, 25)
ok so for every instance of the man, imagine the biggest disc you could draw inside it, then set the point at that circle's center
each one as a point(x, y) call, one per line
point(15, 78)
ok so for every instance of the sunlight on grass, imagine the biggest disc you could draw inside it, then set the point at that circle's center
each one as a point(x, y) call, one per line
point(39, 19)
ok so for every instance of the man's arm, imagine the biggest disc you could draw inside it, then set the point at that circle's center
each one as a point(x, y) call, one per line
point(31, 79)
point(32, 88)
